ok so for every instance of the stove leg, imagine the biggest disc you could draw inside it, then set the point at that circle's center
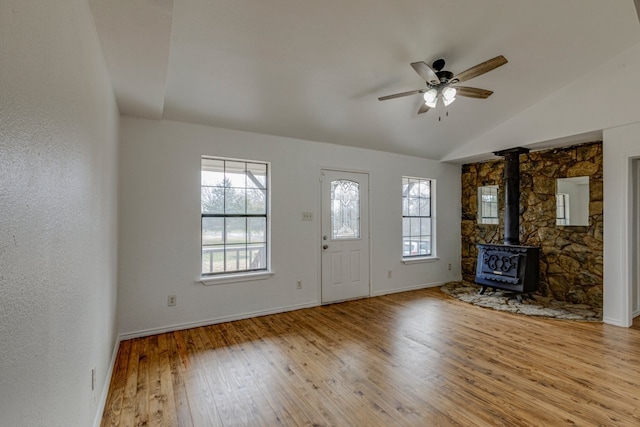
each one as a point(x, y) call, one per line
point(519, 298)
point(482, 291)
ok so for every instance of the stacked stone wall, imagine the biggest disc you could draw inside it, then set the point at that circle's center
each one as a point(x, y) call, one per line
point(571, 258)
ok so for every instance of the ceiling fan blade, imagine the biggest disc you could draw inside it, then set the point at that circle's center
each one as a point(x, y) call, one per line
point(472, 92)
point(480, 69)
point(426, 72)
point(423, 108)
point(399, 95)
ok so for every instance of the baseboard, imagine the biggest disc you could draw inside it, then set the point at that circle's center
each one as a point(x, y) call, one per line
point(615, 322)
point(213, 321)
point(105, 389)
point(408, 288)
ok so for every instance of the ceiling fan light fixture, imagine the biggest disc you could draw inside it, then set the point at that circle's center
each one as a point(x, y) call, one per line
point(431, 98)
point(448, 95)
point(448, 101)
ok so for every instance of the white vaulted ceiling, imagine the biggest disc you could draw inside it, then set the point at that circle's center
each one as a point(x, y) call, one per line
point(314, 70)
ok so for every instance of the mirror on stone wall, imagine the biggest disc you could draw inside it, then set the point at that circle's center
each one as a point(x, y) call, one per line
point(572, 201)
point(488, 204)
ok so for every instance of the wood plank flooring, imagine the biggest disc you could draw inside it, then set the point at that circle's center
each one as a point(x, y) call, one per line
point(415, 358)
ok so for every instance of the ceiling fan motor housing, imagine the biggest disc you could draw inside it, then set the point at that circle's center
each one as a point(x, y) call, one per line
point(438, 64)
point(444, 76)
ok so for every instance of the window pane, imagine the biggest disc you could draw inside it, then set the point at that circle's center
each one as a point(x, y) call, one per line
point(235, 174)
point(425, 189)
point(425, 227)
point(212, 231)
point(415, 226)
point(212, 172)
point(234, 200)
point(414, 187)
point(425, 207)
point(257, 229)
point(256, 201)
point(212, 259)
point(236, 257)
point(409, 247)
point(212, 200)
point(424, 247)
point(257, 254)
point(236, 231)
point(414, 206)
point(406, 226)
point(406, 247)
point(345, 209)
point(256, 176)
point(405, 206)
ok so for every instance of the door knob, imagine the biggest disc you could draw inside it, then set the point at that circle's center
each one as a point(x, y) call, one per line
point(325, 246)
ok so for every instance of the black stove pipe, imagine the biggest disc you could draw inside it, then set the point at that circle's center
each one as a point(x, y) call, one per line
point(512, 193)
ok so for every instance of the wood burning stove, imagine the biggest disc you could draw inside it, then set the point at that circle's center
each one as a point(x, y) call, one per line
point(510, 266)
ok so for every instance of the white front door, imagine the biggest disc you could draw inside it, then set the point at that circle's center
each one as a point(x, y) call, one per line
point(345, 235)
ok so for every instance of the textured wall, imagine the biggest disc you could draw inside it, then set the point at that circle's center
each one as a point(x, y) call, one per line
point(58, 228)
point(571, 258)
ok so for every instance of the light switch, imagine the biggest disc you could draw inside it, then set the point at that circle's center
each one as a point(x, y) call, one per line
point(307, 216)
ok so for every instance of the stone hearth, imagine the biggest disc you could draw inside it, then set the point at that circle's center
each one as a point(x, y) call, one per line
point(537, 306)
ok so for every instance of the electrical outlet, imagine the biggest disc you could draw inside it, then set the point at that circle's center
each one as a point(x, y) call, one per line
point(171, 300)
point(389, 274)
point(299, 284)
point(449, 266)
point(93, 378)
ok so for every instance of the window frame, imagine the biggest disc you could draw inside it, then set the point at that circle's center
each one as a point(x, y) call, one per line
point(228, 276)
point(419, 257)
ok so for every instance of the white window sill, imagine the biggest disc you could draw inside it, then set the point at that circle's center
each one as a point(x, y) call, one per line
point(418, 260)
point(233, 278)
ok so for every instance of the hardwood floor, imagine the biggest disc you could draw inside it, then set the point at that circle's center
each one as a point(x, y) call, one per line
point(416, 358)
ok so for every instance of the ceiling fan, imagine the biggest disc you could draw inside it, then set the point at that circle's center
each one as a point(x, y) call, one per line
point(442, 84)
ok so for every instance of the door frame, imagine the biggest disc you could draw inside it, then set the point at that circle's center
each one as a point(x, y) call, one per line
point(635, 233)
point(319, 225)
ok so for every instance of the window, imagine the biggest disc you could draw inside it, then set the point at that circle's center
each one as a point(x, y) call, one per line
point(416, 217)
point(234, 202)
point(488, 204)
point(345, 210)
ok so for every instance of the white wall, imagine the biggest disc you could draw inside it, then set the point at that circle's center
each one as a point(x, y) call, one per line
point(160, 223)
point(621, 146)
point(58, 181)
